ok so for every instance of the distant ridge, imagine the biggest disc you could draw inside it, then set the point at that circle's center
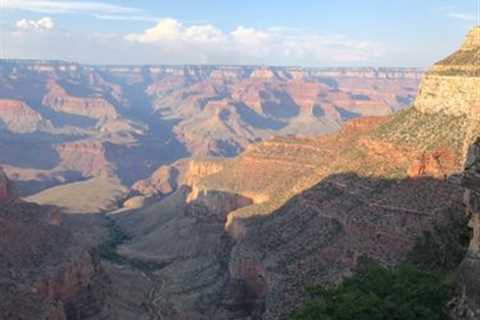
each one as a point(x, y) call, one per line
point(205, 66)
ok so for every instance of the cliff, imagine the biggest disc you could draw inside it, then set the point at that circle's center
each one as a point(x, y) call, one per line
point(17, 117)
point(452, 84)
point(39, 278)
point(464, 61)
point(468, 304)
point(59, 100)
point(7, 190)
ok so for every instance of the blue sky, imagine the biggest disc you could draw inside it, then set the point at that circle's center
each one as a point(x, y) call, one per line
point(309, 33)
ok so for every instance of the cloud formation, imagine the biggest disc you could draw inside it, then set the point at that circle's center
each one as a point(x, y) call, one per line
point(117, 17)
point(45, 24)
point(66, 6)
point(171, 41)
point(462, 16)
point(209, 44)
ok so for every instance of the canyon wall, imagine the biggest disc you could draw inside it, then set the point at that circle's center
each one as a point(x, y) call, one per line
point(455, 95)
point(62, 121)
point(452, 85)
point(7, 190)
point(48, 270)
point(19, 117)
point(469, 273)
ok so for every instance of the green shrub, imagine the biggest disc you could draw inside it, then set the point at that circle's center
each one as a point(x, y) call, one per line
point(116, 238)
point(378, 293)
point(442, 248)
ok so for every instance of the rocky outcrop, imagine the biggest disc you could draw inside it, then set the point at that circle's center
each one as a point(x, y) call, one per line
point(7, 191)
point(86, 157)
point(76, 290)
point(167, 179)
point(452, 84)
point(41, 279)
point(472, 42)
point(454, 95)
point(464, 61)
point(468, 304)
point(93, 107)
point(434, 164)
point(215, 205)
point(17, 117)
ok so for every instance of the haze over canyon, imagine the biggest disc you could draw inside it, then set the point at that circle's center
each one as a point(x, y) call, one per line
point(223, 192)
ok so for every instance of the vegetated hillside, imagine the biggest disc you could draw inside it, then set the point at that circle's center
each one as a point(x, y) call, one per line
point(300, 211)
point(64, 122)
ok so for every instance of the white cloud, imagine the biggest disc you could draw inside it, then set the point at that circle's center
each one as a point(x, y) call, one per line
point(173, 42)
point(170, 30)
point(116, 17)
point(462, 16)
point(250, 45)
point(65, 6)
point(45, 23)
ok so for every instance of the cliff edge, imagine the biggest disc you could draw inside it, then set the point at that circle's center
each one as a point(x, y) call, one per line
point(452, 85)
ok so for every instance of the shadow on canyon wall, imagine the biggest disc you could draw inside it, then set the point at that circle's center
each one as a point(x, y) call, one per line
point(262, 264)
point(326, 231)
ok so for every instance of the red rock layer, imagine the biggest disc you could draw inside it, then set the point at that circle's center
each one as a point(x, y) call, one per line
point(18, 117)
point(87, 157)
point(93, 107)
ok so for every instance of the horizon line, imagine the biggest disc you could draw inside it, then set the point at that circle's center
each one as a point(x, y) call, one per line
point(212, 65)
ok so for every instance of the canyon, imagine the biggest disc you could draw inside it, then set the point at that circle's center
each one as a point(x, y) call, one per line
point(221, 192)
point(313, 208)
point(39, 278)
point(64, 122)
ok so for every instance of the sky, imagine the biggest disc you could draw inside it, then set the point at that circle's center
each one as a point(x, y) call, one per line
point(311, 33)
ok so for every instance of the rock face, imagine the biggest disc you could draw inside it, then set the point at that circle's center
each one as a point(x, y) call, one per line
point(452, 84)
point(7, 191)
point(469, 302)
point(17, 117)
point(86, 157)
point(59, 100)
point(473, 40)
point(465, 60)
point(450, 94)
point(167, 179)
point(39, 278)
